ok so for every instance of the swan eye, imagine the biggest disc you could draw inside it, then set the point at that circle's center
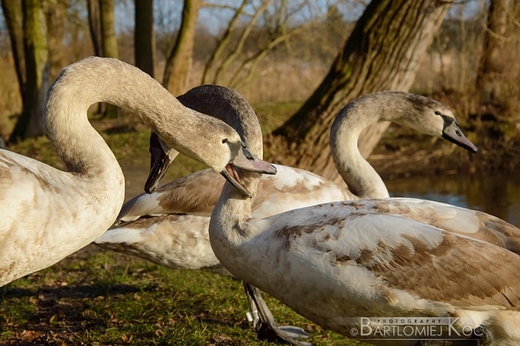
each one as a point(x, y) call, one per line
point(437, 113)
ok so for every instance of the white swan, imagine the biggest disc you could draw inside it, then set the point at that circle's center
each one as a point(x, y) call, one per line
point(47, 214)
point(337, 262)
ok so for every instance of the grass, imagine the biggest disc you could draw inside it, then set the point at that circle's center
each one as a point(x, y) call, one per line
point(102, 298)
point(96, 297)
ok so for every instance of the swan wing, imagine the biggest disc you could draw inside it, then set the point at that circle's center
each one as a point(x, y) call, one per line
point(380, 262)
point(293, 188)
point(195, 194)
point(468, 222)
point(174, 241)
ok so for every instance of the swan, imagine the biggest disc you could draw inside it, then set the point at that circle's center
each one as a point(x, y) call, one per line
point(177, 237)
point(169, 226)
point(47, 214)
point(335, 263)
point(418, 112)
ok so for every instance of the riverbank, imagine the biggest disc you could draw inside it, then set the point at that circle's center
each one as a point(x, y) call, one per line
point(403, 152)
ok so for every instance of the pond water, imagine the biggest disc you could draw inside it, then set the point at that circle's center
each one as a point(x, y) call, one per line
point(497, 194)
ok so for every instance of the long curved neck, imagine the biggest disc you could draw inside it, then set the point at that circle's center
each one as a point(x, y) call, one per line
point(358, 174)
point(95, 80)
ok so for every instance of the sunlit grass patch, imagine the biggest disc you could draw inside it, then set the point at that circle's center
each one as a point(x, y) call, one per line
point(97, 297)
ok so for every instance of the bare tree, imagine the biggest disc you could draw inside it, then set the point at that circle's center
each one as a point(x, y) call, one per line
point(55, 12)
point(109, 44)
point(278, 31)
point(223, 42)
point(382, 53)
point(181, 56)
point(144, 37)
point(14, 21)
point(108, 29)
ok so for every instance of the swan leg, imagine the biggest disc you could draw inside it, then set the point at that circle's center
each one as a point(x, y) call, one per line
point(264, 323)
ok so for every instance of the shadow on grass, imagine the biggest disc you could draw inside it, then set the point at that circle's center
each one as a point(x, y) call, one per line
point(79, 292)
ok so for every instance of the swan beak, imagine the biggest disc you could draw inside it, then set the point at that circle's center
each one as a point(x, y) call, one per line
point(160, 160)
point(453, 133)
point(248, 162)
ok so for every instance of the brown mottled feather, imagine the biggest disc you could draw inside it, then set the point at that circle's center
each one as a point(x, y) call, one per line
point(194, 194)
point(456, 272)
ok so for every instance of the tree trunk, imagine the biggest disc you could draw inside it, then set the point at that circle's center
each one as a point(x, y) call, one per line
point(492, 66)
point(178, 65)
point(108, 29)
point(94, 24)
point(109, 44)
point(144, 37)
point(55, 18)
point(382, 53)
point(14, 21)
point(30, 123)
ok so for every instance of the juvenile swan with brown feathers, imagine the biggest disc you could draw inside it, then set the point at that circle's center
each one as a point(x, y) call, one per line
point(336, 262)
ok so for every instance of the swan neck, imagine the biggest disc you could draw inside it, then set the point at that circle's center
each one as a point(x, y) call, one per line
point(232, 211)
point(361, 178)
point(82, 84)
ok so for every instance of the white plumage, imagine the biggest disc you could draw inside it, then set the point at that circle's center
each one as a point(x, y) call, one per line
point(47, 214)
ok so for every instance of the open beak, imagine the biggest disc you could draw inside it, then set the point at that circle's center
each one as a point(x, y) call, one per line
point(159, 163)
point(453, 133)
point(248, 162)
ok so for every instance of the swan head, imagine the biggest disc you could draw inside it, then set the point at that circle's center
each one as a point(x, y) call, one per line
point(433, 118)
point(239, 157)
point(229, 156)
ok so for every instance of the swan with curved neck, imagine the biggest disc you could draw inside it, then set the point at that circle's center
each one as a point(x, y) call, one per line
point(336, 262)
point(418, 112)
point(173, 231)
point(47, 214)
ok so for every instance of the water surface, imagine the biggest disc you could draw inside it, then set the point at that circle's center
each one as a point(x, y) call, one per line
point(497, 194)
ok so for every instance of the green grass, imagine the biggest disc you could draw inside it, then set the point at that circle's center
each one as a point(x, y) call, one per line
point(273, 114)
point(96, 297)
